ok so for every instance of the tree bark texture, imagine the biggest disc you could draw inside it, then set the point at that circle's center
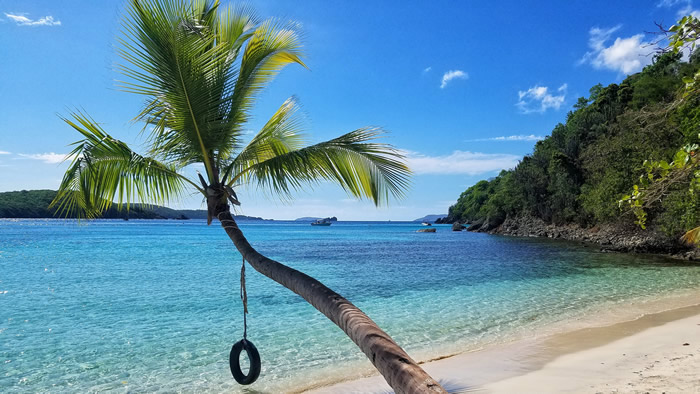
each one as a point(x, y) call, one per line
point(401, 372)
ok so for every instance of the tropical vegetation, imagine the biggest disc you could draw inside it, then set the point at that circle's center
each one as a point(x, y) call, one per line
point(588, 171)
point(199, 68)
point(684, 171)
point(36, 204)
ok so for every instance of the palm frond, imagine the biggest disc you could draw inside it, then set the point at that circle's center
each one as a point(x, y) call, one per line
point(235, 26)
point(272, 46)
point(174, 58)
point(363, 168)
point(281, 134)
point(104, 168)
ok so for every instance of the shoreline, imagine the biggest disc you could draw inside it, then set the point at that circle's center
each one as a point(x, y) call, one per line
point(554, 360)
point(619, 237)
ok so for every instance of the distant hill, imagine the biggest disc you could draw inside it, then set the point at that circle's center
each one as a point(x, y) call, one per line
point(311, 219)
point(34, 204)
point(429, 218)
point(169, 213)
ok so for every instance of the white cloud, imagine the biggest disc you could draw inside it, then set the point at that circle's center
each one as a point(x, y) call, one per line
point(4, 152)
point(22, 20)
point(521, 137)
point(452, 74)
point(460, 162)
point(49, 158)
point(599, 36)
point(688, 10)
point(625, 55)
point(671, 3)
point(686, 7)
point(539, 99)
point(427, 69)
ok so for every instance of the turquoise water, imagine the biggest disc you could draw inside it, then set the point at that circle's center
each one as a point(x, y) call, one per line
point(144, 306)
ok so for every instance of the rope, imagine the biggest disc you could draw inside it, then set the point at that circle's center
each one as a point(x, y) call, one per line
point(244, 294)
point(244, 298)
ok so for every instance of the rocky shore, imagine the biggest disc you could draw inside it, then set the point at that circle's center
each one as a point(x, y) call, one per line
point(618, 237)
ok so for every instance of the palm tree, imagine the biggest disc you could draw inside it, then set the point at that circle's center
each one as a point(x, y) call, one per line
point(200, 68)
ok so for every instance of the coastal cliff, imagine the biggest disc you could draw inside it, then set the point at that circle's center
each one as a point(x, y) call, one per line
point(618, 237)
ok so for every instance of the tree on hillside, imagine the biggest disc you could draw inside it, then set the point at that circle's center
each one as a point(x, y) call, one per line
point(200, 69)
point(662, 178)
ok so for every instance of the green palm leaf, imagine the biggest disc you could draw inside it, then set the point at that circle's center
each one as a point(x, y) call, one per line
point(281, 134)
point(104, 168)
point(173, 57)
point(184, 59)
point(271, 47)
point(363, 168)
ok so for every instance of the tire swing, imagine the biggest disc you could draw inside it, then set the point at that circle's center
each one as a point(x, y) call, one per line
point(244, 344)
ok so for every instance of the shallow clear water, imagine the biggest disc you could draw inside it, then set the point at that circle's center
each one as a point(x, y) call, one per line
point(146, 306)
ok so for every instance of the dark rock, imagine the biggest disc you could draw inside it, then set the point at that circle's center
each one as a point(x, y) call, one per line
point(457, 227)
point(476, 225)
point(623, 236)
point(427, 230)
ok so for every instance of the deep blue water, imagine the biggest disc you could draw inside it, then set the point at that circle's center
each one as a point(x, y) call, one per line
point(143, 306)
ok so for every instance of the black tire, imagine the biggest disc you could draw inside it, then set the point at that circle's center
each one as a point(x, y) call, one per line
point(234, 362)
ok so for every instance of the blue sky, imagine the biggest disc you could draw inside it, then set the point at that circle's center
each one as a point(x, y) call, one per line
point(465, 88)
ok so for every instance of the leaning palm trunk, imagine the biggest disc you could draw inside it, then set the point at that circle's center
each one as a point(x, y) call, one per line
point(400, 371)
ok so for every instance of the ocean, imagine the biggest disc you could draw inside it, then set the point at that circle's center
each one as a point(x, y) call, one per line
point(154, 306)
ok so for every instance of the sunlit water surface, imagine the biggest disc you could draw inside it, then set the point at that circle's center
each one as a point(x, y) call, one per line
point(144, 306)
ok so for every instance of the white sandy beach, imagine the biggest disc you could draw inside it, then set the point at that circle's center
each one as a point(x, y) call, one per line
point(659, 359)
point(656, 353)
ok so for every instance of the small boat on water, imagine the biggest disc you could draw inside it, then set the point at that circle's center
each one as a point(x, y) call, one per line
point(426, 224)
point(322, 222)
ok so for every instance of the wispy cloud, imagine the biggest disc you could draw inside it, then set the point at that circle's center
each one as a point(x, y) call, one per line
point(521, 137)
point(4, 152)
point(22, 20)
point(460, 162)
point(427, 69)
point(539, 99)
point(625, 55)
point(49, 158)
point(672, 3)
point(686, 7)
point(688, 10)
point(452, 74)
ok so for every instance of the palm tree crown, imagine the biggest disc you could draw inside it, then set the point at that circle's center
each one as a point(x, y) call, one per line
point(200, 68)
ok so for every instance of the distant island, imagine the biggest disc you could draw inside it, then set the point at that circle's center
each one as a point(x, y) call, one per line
point(430, 218)
point(313, 219)
point(34, 204)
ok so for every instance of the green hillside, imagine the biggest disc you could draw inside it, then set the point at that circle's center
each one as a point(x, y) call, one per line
point(35, 204)
point(579, 173)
